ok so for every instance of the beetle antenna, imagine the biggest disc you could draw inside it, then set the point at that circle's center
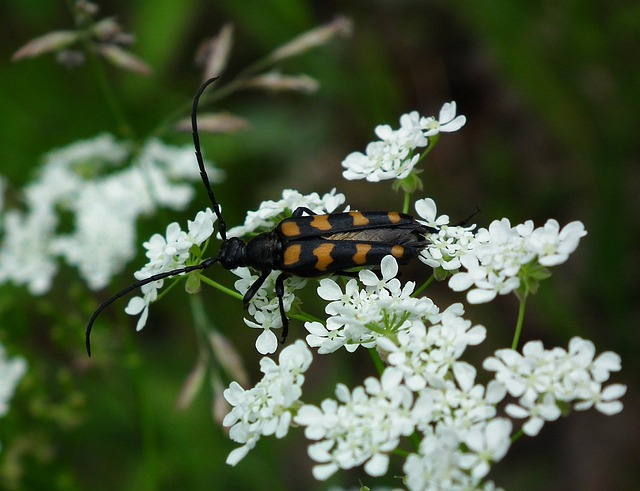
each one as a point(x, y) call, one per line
point(468, 219)
point(167, 274)
point(222, 228)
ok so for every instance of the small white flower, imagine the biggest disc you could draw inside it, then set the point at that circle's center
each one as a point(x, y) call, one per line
point(267, 341)
point(447, 121)
point(428, 212)
point(487, 442)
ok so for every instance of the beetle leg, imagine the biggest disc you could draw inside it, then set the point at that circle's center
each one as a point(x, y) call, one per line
point(298, 212)
point(253, 289)
point(280, 294)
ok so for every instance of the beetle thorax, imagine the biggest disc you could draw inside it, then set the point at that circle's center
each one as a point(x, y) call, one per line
point(263, 252)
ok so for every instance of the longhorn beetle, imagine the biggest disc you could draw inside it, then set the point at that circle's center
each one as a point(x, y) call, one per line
point(305, 245)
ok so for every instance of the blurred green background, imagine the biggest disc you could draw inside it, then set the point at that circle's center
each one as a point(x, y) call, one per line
point(551, 91)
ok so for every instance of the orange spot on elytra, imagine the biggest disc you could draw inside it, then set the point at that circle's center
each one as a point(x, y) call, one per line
point(323, 253)
point(393, 217)
point(321, 222)
point(290, 229)
point(292, 254)
point(397, 251)
point(359, 220)
point(360, 257)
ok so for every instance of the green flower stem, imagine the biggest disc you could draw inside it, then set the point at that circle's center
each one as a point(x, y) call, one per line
point(516, 436)
point(124, 128)
point(220, 287)
point(518, 331)
point(301, 316)
point(433, 140)
point(407, 202)
point(377, 361)
point(304, 317)
point(424, 286)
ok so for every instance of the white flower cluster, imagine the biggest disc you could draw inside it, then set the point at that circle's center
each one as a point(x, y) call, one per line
point(103, 199)
point(166, 254)
point(544, 379)
point(449, 243)
point(360, 427)
point(359, 316)
point(270, 213)
point(394, 155)
point(266, 409)
point(426, 389)
point(498, 260)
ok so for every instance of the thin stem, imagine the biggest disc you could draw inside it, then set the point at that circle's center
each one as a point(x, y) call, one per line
point(424, 286)
point(124, 128)
point(220, 287)
point(517, 435)
point(221, 91)
point(377, 361)
point(518, 331)
point(304, 317)
point(407, 202)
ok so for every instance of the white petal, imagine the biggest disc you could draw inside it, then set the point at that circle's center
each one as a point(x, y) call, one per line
point(377, 465)
point(267, 342)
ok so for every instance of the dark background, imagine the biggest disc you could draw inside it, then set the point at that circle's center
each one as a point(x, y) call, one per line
point(551, 94)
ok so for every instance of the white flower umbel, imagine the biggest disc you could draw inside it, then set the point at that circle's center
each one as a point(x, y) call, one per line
point(360, 314)
point(544, 380)
point(104, 198)
point(360, 427)
point(167, 253)
point(505, 257)
point(270, 213)
point(395, 155)
point(267, 408)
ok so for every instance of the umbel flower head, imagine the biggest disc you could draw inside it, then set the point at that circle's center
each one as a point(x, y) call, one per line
point(395, 155)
